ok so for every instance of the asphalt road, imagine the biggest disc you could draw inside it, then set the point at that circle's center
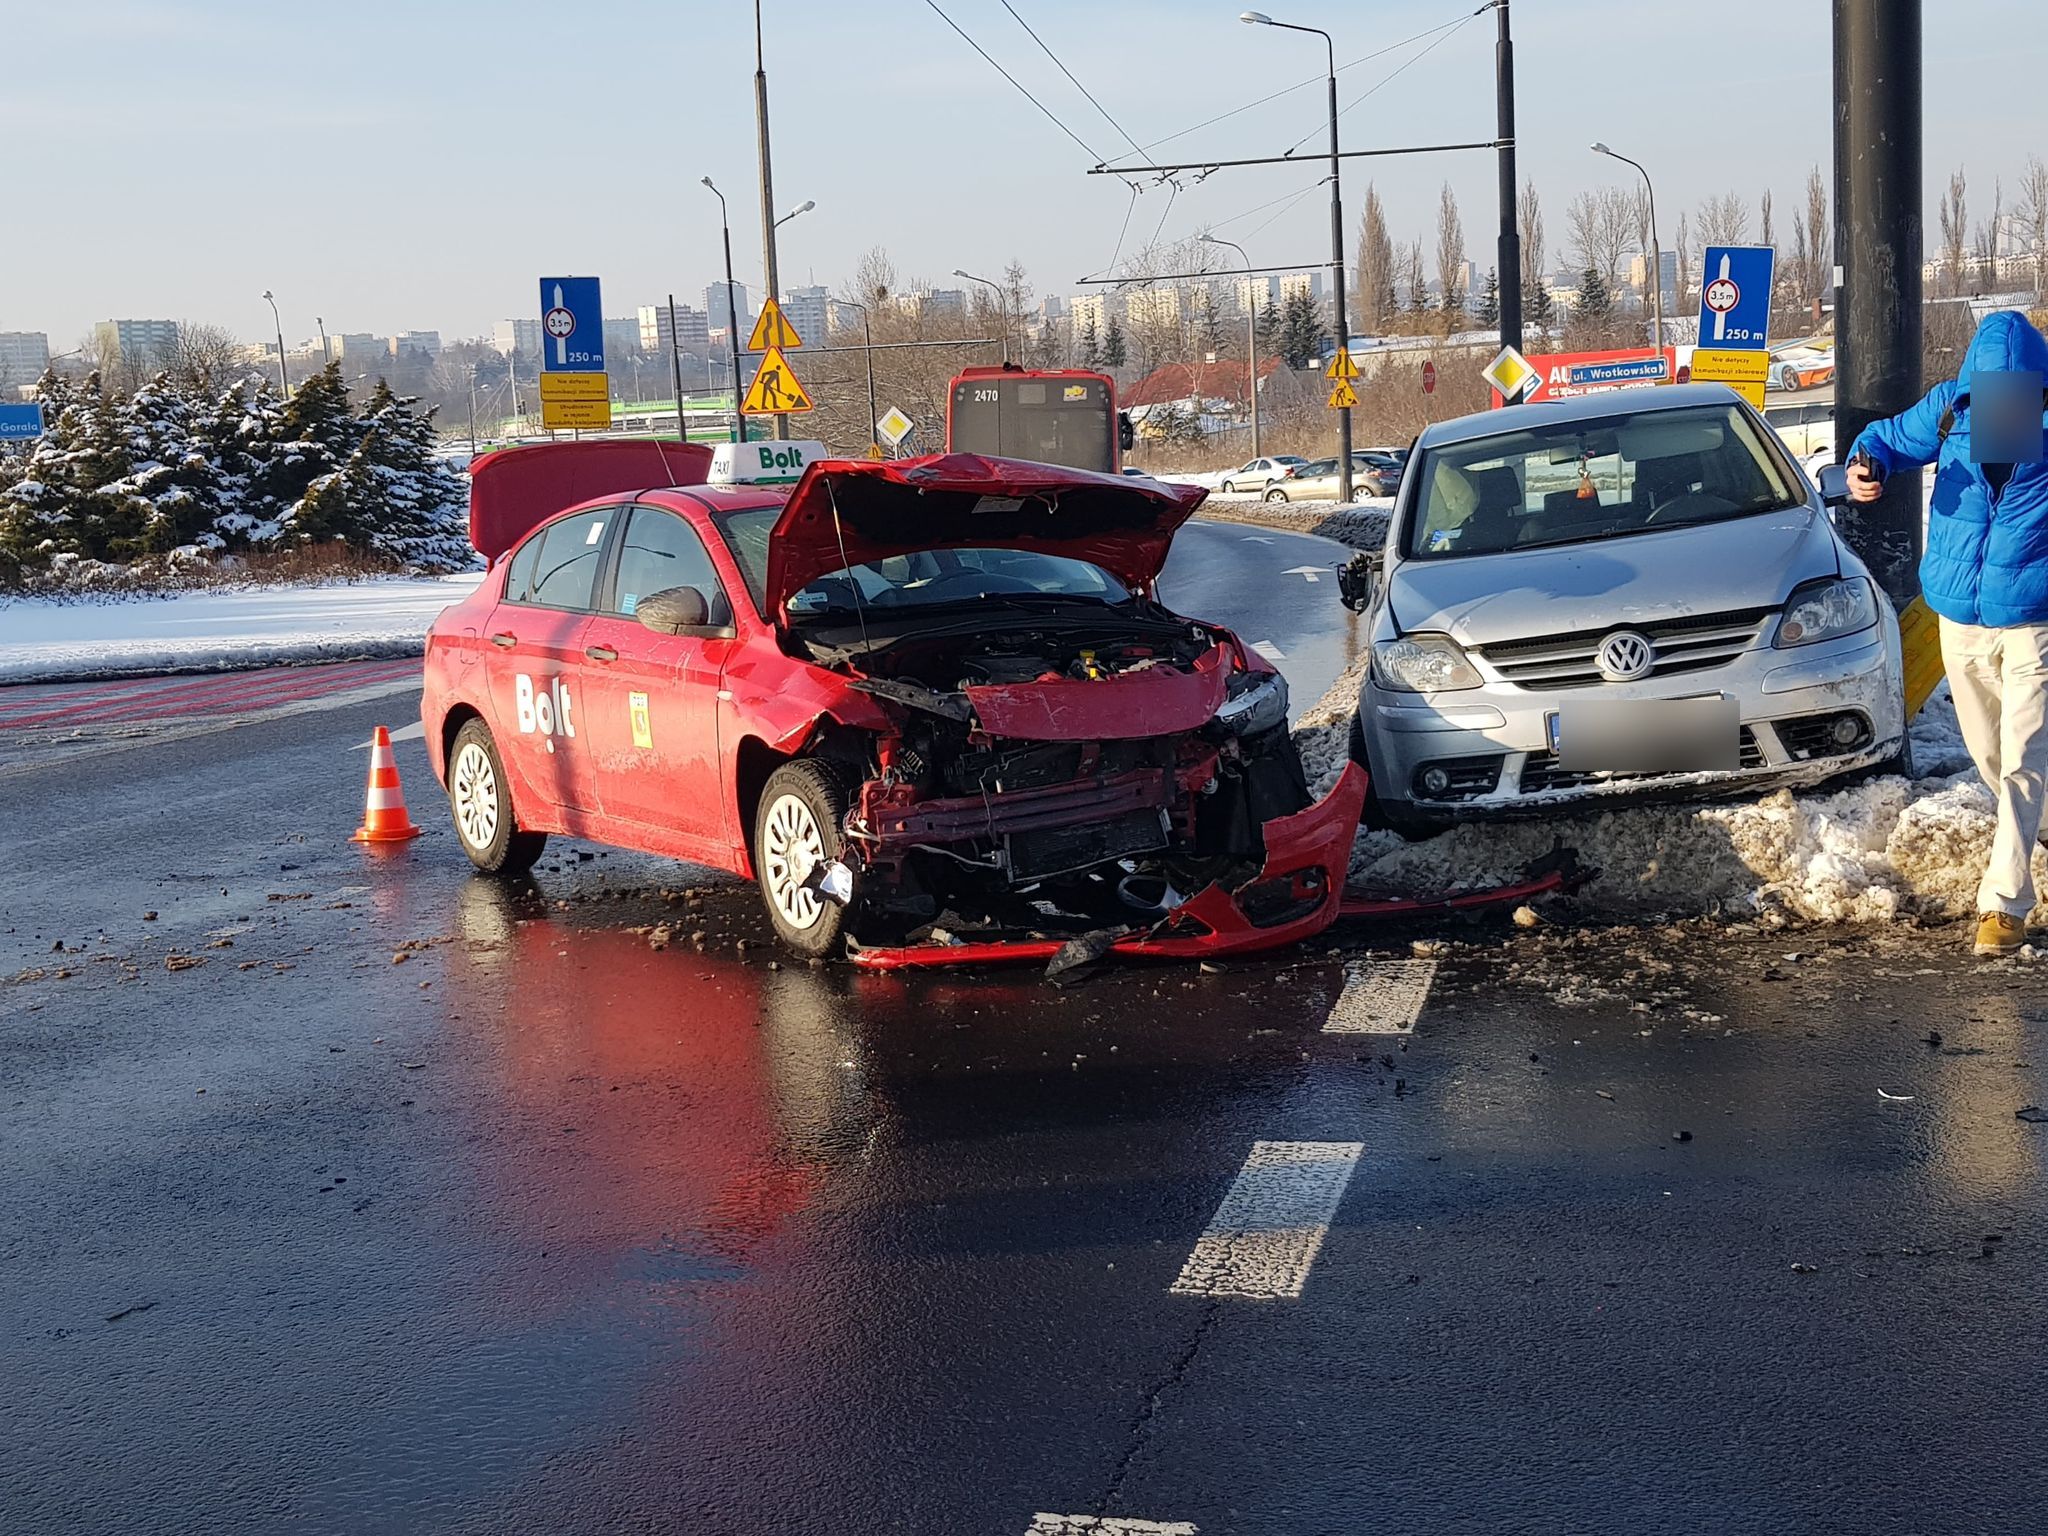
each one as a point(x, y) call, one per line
point(544, 1227)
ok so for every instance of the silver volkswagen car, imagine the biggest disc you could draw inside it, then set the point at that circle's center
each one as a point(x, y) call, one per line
point(1634, 593)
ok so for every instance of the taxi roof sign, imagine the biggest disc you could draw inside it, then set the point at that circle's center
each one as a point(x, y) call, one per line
point(1511, 374)
point(773, 330)
point(763, 463)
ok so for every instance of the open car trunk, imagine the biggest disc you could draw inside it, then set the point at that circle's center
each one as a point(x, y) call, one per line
point(515, 490)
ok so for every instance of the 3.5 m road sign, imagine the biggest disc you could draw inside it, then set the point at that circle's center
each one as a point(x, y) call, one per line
point(572, 325)
point(1735, 297)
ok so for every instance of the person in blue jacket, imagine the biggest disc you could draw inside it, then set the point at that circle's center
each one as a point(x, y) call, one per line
point(1985, 574)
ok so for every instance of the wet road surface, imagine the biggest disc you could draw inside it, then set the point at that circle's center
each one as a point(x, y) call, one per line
point(420, 1203)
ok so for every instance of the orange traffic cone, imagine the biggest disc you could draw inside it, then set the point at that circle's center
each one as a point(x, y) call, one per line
point(384, 817)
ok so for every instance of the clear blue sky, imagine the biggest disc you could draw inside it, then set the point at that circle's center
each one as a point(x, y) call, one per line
point(392, 165)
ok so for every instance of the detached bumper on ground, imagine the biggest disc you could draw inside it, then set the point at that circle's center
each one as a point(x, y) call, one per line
point(1297, 894)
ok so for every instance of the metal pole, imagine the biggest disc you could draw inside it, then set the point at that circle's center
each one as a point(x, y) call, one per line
point(1510, 242)
point(1878, 248)
point(1251, 337)
point(284, 381)
point(512, 373)
point(1656, 260)
point(472, 410)
point(767, 191)
point(325, 356)
point(732, 323)
point(1002, 309)
point(675, 363)
point(1337, 278)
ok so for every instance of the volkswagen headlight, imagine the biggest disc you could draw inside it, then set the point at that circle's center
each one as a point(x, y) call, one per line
point(1424, 664)
point(1827, 610)
point(1257, 702)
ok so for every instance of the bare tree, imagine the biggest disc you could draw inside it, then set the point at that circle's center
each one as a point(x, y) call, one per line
point(1723, 220)
point(1682, 283)
point(1810, 241)
point(207, 358)
point(1529, 222)
point(1376, 303)
point(2031, 207)
point(1599, 227)
point(1954, 214)
point(1450, 250)
point(1018, 295)
point(1988, 234)
point(1411, 275)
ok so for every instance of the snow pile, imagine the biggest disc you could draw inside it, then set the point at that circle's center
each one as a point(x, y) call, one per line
point(1867, 853)
point(43, 641)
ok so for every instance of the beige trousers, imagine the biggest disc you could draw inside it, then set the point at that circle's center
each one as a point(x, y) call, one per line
point(1999, 679)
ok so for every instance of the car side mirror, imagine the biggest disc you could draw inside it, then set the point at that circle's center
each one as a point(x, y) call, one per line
point(673, 610)
point(1359, 580)
point(1834, 485)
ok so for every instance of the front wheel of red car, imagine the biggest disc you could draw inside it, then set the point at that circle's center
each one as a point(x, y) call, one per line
point(796, 837)
point(482, 804)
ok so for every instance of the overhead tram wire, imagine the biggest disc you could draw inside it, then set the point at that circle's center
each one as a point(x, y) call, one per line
point(1051, 116)
point(1289, 90)
point(1447, 33)
point(1098, 106)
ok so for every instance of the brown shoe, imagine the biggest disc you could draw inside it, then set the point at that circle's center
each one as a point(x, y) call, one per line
point(1999, 934)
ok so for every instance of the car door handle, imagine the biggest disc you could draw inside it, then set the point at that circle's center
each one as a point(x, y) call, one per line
point(505, 641)
point(600, 653)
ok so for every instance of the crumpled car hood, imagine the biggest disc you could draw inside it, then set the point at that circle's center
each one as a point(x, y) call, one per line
point(968, 501)
point(1747, 562)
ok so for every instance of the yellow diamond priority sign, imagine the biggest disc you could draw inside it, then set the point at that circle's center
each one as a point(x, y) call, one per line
point(773, 330)
point(1511, 374)
point(1343, 397)
point(776, 390)
point(1341, 366)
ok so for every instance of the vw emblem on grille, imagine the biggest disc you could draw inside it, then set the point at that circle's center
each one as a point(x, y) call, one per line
point(1625, 656)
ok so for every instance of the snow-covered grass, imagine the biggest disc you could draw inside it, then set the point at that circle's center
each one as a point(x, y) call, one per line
point(1871, 852)
point(47, 641)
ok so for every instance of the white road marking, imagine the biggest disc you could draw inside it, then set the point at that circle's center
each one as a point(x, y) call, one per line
point(1269, 650)
point(1272, 1223)
point(1252, 538)
point(1307, 572)
point(415, 732)
point(1381, 997)
point(1107, 1525)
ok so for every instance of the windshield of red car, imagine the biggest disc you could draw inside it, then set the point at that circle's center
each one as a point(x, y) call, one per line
point(941, 577)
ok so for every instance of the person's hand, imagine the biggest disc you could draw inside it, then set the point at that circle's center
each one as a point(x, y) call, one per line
point(1863, 485)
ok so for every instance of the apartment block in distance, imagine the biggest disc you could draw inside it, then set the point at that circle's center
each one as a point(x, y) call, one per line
point(138, 340)
point(23, 356)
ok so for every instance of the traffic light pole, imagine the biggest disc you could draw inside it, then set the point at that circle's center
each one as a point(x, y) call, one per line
point(1878, 249)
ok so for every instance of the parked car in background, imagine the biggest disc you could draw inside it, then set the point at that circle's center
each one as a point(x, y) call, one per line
point(1799, 368)
point(1373, 474)
point(1251, 477)
point(1628, 594)
point(1807, 430)
point(1378, 470)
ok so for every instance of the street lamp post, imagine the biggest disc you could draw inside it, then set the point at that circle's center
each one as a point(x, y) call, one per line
point(326, 357)
point(1002, 308)
point(1261, 19)
point(1656, 260)
point(284, 381)
point(1251, 338)
point(732, 313)
point(768, 219)
point(472, 410)
point(867, 337)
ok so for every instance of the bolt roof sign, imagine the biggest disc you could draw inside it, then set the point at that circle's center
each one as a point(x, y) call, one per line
point(1735, 297)
point(572, 325)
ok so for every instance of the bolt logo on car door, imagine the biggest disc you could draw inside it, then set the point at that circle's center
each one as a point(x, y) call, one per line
point(546, 709)
point(1625, 656)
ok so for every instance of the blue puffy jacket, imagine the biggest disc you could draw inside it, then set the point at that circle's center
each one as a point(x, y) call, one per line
point(1987, 549)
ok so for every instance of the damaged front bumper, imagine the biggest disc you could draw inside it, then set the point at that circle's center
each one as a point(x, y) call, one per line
point(1297, 893)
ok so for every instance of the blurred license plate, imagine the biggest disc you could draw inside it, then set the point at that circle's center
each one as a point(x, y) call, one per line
point(1647, 736)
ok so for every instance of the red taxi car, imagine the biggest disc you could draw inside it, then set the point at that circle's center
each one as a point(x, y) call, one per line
point(932, 700)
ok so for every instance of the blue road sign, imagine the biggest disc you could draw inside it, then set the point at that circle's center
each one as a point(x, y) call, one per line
point(1627, 370)
point(21, 423)
point(571, 325)
point(1735, 297)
